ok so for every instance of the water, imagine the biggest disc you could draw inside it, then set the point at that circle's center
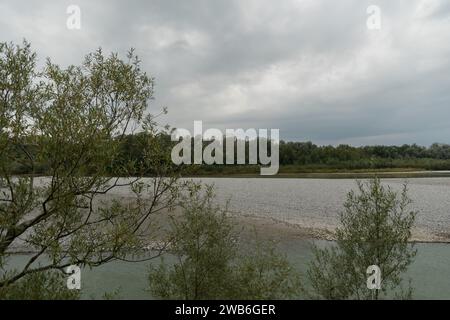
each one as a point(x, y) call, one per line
point(430, 273)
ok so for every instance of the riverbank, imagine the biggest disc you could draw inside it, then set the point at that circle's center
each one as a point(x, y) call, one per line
point(357, 174)
point(394, 173)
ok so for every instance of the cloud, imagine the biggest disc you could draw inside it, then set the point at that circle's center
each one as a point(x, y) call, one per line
point(308, 67)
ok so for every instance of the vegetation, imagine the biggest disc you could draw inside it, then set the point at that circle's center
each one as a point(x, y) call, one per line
point(375, 228)
point(49, 285)
point(212, 262)
point(348, 157)
point(304, 157)
point(71, 123)
point(295, 157)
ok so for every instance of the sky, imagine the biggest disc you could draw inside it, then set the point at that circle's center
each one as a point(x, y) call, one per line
point(311, 68)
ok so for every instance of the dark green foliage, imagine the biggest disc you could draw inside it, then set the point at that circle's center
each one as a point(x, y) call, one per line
point(294, 157)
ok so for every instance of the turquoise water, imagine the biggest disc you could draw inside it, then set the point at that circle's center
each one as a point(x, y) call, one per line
point(430, 272)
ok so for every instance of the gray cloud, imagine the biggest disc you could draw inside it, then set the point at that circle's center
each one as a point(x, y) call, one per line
point(308, 67)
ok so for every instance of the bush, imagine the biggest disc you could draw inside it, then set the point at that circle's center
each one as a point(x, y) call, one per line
point(213, 263)
point(375, 227)
point(50, 285)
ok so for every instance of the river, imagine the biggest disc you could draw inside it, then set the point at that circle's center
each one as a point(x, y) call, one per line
point(309, 202)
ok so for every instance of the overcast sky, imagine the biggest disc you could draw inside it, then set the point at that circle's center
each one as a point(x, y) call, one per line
point(311, 68)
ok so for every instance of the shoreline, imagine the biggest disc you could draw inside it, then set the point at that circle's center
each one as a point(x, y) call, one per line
point(332, 175)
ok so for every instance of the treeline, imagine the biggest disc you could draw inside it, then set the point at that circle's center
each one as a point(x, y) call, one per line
point(307, 152)
point(309, 155)
point(293, 156)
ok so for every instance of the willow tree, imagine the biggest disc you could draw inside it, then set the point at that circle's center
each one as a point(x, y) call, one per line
point(375, 229)
point(213, 260)
point(67, 124)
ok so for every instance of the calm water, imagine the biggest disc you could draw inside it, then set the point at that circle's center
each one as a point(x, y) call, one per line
point(430, 273)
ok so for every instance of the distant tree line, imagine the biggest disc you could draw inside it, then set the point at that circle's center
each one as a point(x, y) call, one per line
point(307, 152)
point(435, 157)
point(307, 156)
point(294, 156)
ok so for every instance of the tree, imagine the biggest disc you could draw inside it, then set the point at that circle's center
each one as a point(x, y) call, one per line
point(375, 228)
point(71, 122)
point(48, 285)
point(211, 261)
